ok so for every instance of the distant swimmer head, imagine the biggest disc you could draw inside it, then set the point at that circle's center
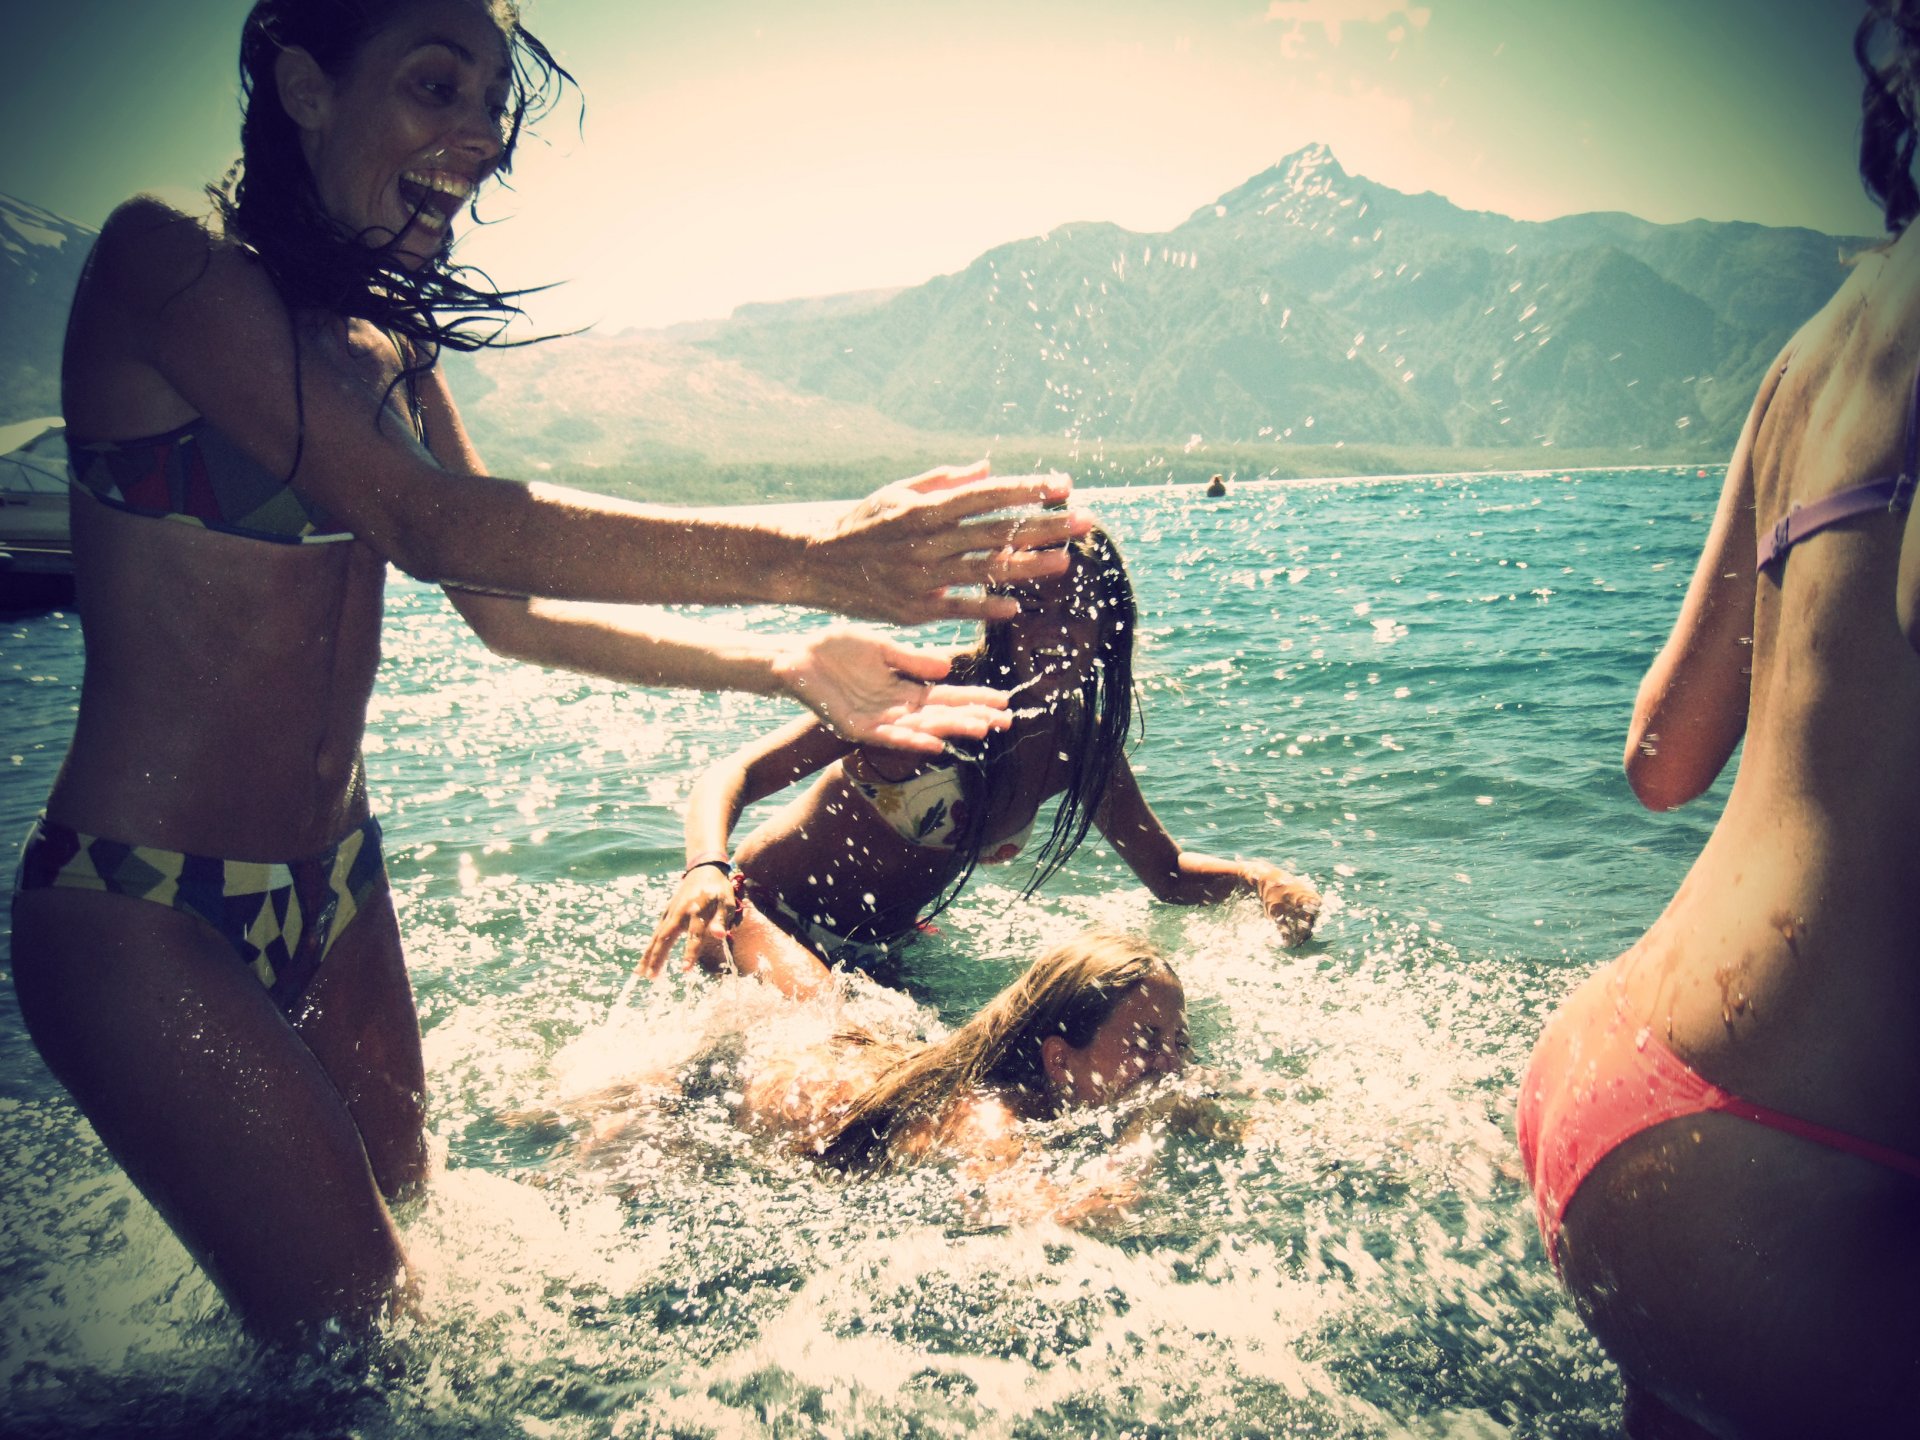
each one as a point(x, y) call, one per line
point(367, 125)
point(1887, 46)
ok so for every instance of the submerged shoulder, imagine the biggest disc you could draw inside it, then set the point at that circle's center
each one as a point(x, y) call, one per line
point(978, 1126)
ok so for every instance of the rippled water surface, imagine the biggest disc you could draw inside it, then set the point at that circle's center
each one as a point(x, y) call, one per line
point(1415, 691)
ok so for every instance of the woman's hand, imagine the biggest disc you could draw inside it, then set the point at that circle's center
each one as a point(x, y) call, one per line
point(897, 554)
point(872, 691)
point(702, 909)
point(1290, 902)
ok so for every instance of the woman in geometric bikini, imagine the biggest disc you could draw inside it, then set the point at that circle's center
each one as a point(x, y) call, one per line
point(204, 947)
point(1722, 1127)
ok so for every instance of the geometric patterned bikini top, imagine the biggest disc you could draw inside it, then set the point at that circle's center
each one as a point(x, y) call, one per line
point(197, 476)
point(1892, 493)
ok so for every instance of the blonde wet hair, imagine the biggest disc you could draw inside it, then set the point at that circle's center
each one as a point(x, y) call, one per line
point(1069, 991)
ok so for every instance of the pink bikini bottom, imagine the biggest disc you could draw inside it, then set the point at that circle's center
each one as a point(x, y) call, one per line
point(1610, 1080)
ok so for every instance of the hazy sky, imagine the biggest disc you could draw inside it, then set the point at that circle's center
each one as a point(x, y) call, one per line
point(738, 150)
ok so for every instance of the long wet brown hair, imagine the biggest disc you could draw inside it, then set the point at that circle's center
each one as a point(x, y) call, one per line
point(1069, 991)
point(268, 200)
point(1887, 47)
point(1093, 741)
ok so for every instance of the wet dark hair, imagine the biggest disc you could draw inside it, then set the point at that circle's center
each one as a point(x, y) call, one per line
point(1885, 46)
point(268, 201)
point(1101, 721)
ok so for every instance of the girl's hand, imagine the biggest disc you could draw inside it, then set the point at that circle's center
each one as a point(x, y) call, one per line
point(702, 909)
point(872, 691)
point(897, 554)
point(1290, 902)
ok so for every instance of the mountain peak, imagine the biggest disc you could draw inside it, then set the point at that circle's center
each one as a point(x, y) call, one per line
point(23, 225)
point(1310, 178)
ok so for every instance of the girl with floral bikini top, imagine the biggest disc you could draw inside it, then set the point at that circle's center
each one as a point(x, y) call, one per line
point(848, 871)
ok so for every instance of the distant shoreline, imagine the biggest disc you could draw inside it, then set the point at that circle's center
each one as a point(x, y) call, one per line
point(1096, 494)
point(696, 480)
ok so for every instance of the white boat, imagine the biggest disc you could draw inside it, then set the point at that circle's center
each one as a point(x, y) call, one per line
point(36, 549)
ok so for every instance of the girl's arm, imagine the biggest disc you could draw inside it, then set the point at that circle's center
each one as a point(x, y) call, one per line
point(702, 905)
point(861, 685)
point(205, 318)
point(1187, 877)
point(1692, 706)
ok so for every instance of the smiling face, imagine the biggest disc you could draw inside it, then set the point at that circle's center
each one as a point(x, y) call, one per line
point(401, 138)
point(1143, 1038)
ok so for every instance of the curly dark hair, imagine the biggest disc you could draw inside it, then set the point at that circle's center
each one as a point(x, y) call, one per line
point(1886, 45)
point(269, 203)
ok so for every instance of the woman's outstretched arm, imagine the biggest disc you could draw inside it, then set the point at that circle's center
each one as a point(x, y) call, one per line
point(1692, 706)
point(1907, 597)
point(1187, 877)
point(863, 686)
point(211, 327)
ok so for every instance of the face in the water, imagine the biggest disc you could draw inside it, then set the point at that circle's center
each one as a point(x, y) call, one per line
point(1143, 1038)
point(400, 140)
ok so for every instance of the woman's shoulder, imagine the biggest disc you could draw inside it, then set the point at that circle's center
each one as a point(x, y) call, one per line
point(151, 252)
point(978, 1125)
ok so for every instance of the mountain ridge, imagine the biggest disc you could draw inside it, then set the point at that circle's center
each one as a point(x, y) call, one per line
point(1302, 310)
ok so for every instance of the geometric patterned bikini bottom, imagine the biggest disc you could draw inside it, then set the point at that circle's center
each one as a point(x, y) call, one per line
point(280, 919)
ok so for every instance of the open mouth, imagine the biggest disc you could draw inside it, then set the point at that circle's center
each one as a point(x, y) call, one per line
point(433, 197)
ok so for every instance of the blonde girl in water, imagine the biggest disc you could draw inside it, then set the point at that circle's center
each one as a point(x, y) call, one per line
point(1097, 1021)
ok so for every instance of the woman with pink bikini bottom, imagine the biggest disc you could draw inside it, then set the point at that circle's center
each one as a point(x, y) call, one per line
point(1722, 1127)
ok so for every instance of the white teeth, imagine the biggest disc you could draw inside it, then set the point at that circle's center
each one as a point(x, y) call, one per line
point(457, 186)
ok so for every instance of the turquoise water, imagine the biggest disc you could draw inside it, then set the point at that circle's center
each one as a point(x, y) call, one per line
point(1415, 691)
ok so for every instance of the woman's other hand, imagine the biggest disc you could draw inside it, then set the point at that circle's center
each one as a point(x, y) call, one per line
point(898, 554)
point(1290, 902)
point(872, 691)
point(703, 909)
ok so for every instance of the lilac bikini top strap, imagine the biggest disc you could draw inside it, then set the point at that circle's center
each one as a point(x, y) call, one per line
point(1892, 492)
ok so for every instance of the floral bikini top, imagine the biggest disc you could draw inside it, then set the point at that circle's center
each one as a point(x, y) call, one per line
point(929, 808)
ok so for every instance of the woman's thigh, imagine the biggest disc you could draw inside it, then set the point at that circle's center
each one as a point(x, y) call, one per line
point(760, 947)
point(359, 1021)
point(1755, 1283)
point(212, 1103)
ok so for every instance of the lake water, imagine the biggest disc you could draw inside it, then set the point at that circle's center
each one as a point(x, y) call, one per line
point(1415, 691)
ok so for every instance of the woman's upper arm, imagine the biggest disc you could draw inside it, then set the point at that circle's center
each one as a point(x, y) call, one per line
point(1907, 597)
point(214, 327)
point(1691, 709)
point(447, 438)
point(1135, 832)
point(217, 331)
point(797, 749)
